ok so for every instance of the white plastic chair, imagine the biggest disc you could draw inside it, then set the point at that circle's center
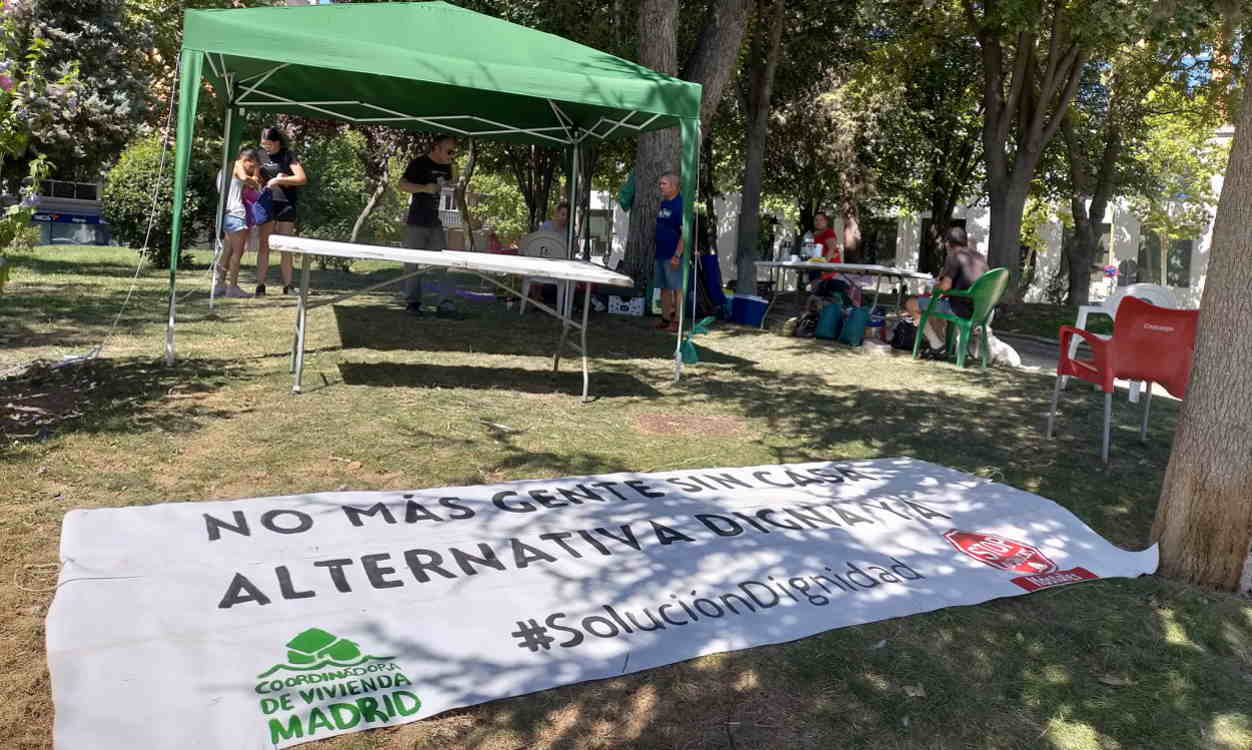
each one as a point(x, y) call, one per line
point(1152, 293)
point(543, 244)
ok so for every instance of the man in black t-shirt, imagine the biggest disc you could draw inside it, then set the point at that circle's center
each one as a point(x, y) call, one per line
point(424, 179)
point(961, 269)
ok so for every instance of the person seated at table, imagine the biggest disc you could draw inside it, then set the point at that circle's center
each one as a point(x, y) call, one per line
point(559, 222)
point(828, 284)
point(961, 269)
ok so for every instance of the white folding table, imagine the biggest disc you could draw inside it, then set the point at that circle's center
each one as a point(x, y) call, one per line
point(566, 272)
point(847, 268)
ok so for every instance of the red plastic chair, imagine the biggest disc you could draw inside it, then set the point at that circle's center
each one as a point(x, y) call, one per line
point(1150, 343)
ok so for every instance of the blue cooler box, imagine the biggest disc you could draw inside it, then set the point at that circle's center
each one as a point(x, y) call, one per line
point(748, 310)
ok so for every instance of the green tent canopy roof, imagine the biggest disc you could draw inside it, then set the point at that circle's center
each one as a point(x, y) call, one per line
point(431, 66)
point(423, 66)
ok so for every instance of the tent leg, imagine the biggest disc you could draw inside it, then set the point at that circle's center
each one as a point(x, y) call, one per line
point(301, 318)
point(583, 334)
point(1147, 406)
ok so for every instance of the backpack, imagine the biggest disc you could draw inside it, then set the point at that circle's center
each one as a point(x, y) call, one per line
point(903, 335)
point(854, 326)
point(828, 321)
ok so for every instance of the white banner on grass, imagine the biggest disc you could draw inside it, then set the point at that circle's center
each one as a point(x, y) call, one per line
point(270, 622)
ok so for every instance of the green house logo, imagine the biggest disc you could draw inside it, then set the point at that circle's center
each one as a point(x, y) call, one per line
point(317, 649)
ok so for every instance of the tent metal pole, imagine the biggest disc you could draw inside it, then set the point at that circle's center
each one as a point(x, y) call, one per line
point(691, 164)
point(190, 66)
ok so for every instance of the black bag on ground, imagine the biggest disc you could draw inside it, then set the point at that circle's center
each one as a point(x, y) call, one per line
point(806, 326)
point(903, 335)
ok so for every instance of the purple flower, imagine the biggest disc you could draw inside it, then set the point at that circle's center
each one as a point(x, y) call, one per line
point(6, 82)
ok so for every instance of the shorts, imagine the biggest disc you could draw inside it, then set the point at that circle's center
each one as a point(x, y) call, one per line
point(666, 276)
point(283, 211)
point(232, 224)
point(945, 307)
point(425, 238)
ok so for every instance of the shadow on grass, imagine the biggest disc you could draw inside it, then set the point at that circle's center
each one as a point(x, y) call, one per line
point(491, 329)
point(987, 422)
point(110, 396)
point(565, 382)
point(1109, 664)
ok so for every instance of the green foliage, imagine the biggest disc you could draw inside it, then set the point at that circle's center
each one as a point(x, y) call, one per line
point(128, 199)
point(499, 204)
point(23, 86)
point(82, 130)
point(335, 193)
point(1181, 157)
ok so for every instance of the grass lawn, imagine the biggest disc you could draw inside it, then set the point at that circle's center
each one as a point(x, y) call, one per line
point(395, 402)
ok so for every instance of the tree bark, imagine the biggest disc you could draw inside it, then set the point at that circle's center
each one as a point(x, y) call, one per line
point(1204, 519)
point(712, 64)
point(459, 193)
point(372, 203)
point(380, 189)
point(1020, 121)
point(657, 151)
point(765, 49)
point(850, 211)
point(1088, 204)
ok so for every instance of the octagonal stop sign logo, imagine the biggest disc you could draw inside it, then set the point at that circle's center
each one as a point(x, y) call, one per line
point(1000, 552)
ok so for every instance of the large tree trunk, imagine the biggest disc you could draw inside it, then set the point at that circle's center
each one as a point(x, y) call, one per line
point(850, 212)
point(1204, 519)
point(708, 195)
point(766, 45)
point(459, 194)
point(657, 151)
point(711, 64)
point(1095, 190)
point(1024, 98)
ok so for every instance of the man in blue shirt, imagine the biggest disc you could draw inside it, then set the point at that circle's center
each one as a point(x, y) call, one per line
point(669, 250)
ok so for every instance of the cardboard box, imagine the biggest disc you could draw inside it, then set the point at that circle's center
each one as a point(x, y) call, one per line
point(626, 306)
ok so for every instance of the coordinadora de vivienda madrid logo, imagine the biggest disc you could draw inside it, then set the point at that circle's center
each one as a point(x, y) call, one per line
point(1016, 557)
point(327, 685)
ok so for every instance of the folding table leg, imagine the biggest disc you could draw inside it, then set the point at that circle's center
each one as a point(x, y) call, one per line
point(301, 318)
point(1056, 394)
point(1108, 416)
point(583, 339)
point(565, 306)
point(1147, 405)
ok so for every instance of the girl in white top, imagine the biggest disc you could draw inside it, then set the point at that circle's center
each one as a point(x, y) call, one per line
point(235, 223)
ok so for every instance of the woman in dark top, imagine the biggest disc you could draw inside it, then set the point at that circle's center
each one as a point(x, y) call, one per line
point(283, 176)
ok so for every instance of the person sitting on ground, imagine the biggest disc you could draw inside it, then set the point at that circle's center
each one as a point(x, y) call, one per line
point(961, 269)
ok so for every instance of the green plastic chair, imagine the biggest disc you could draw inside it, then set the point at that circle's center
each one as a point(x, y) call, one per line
point(985, 294)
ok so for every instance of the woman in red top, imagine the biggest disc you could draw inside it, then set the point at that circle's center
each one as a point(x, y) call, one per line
point(825, 237)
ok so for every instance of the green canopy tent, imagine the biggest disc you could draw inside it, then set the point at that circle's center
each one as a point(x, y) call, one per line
point(424, 66)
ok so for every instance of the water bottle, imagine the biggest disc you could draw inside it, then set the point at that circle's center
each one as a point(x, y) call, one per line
point(808, 245)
